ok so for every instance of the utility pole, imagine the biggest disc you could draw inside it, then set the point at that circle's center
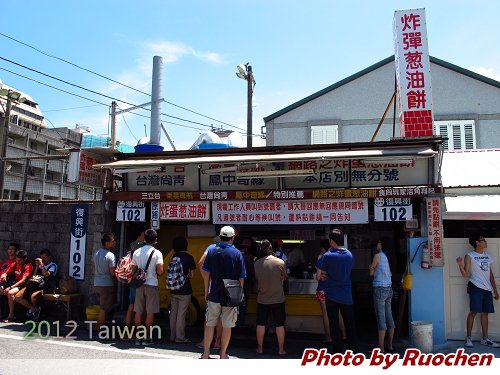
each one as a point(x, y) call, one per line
point(4, 132)
point(113, 125)
point(249, 105)
point(245, 72)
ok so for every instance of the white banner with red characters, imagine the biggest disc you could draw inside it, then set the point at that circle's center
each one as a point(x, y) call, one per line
point(192, 211)
point(434, 231)
point(337, 211)
point(413, 73)
point(89, 175)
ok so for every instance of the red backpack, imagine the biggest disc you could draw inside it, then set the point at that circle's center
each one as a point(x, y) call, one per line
point(124, 268)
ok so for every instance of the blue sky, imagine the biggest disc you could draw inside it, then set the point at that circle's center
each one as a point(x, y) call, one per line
point(296, 48)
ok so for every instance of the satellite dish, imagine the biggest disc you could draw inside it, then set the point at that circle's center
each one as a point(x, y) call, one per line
point(235, 140)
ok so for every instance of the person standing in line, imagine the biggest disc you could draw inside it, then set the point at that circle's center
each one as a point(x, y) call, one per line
point(218, 329)
point(382, 298)
point(481, 287)
point(180, 298)
point(335, 268)
point(134, 245)
point(104, 264)
point(320, 296)
point(246, 248)
point(147, 297)
point(20, 271)
point(223, 261)
point(270, 272)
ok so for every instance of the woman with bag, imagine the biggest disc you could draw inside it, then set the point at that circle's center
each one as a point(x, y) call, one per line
point(42, 280)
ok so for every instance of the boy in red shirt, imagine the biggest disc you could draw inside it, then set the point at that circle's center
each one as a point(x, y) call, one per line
point(22, 271)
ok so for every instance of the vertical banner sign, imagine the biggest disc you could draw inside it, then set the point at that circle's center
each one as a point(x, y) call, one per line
point(434, 231)
point(78, 240)
point(413, 73)
point(155, 215)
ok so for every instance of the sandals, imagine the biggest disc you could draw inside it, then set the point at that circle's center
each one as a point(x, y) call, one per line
point(9, 319)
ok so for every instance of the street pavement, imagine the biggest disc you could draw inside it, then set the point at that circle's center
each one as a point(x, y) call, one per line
point(15, 344)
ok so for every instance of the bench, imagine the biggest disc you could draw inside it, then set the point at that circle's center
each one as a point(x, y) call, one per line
point(71, 303)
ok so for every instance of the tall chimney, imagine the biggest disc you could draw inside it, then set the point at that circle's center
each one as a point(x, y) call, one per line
point(155, 133)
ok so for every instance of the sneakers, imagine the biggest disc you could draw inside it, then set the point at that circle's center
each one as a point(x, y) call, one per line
point(488, 342)
point(468, 342)
point(36, 312)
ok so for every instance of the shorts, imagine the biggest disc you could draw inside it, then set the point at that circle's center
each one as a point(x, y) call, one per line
point(147, 297)
point(106, 297)
point(228, 315)
point(131, 295)
point(320, 295)
point(480, 300)
point(277, 310)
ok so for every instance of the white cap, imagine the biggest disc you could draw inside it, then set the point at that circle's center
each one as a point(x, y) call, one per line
point(227, 231)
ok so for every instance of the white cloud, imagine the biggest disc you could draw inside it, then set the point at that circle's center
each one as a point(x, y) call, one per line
point(173, 51)
point(487, 72)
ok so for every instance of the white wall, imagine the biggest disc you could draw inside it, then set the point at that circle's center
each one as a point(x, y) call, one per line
point(359, 105)
point(456, 298)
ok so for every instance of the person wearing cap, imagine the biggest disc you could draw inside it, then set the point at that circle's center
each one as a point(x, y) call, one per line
point(223, 261)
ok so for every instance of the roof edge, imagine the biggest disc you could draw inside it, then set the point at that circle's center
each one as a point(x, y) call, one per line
point(373, 67)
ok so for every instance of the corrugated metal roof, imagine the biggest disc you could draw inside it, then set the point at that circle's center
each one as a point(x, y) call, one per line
point(472, 207)
point(469, 168)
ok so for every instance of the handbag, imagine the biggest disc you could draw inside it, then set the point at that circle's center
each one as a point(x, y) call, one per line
point(68, 285)
point(36, 282)
point(233, 295)
point(139, 276)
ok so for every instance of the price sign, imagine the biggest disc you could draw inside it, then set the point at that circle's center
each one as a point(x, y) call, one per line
point(393, 209)
point(130, 211)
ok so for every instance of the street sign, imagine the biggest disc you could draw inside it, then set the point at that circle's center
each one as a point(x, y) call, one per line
point(393, 209)
point(130, 211)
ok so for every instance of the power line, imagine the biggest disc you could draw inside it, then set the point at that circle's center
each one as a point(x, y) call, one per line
point(112, 80)
point(53, 87)
point(70, 63)
point(110, 97)
point(68, 109)
point(66, 82)
point(128, 127)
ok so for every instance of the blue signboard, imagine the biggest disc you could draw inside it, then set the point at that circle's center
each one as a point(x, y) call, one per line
point(78, 240)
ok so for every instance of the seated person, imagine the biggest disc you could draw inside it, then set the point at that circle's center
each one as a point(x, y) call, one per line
point(4, 264)
point(31, 298)
point(21, 270)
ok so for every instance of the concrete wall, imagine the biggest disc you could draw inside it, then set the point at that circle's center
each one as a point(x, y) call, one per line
point(43, 225)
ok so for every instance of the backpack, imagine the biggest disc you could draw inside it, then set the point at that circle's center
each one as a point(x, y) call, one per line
point(124, 268)
point(175, 274)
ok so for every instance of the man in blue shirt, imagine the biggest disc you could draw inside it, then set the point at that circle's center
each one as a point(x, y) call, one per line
point(223, 261)
point(335, 268)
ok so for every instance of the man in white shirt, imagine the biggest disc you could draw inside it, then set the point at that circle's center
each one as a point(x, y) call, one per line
point(481, 287)
point(147, 296)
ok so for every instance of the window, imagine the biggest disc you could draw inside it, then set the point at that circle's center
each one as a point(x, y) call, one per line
point(324, 134)
point(461, 134)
